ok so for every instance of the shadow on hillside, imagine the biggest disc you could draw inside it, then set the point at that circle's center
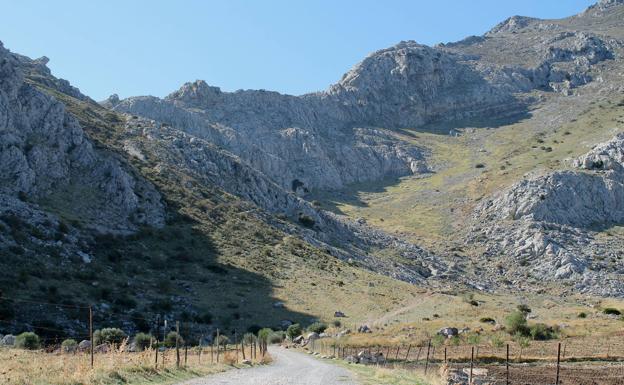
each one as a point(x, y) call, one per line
point(351, 195)
point(459, 126)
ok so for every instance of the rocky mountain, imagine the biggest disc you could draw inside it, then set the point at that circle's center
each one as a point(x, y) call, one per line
point(203, 181)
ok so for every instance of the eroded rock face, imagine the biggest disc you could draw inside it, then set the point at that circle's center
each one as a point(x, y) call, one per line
point(46, 157)
point(548, 222)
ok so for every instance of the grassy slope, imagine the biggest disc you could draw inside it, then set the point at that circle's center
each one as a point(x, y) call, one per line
point(429, 209)
point(214, 256)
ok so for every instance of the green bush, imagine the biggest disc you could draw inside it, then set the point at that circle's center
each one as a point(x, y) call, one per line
point(222, 340)
point(264, 333)
point(524, 308)
point(170, 340)
point(611, 311)
point(277, 337)
point(542, 332)
point(317, 327)
point(69, 345)
point(142, 341)
point(516, 323)
point(487, 320)
point(249, 338)
point(582, 315)
point(294, 331)
point(27, 340)
point(337, 323)
point(109, 335)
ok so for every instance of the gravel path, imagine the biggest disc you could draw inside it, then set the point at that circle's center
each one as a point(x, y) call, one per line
point(288, 368)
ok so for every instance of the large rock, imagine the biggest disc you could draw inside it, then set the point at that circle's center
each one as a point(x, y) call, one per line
point(8, 340)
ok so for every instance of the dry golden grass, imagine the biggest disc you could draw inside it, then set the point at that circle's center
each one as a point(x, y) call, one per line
point(23, 367)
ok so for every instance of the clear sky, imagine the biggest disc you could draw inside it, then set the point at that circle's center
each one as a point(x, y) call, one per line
point(151, 47)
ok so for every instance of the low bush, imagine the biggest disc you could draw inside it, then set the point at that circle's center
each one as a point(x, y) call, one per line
point(611, 311)
point(109, 335)
point(487, 320)
point(582, 315)
point(170, 340)
point(317, 327)
point(276, 337)
point(69, 345)
point(516, 323)
point(142, 341)
point(542, 332)
point(27, 340)
point(294, 331)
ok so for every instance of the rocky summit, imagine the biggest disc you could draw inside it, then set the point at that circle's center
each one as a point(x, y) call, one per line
point(494, 163)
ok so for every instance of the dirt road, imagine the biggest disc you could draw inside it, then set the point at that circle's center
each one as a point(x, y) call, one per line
point(288, 368)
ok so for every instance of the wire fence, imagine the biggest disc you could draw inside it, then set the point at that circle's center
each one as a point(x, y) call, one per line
point(591, 361)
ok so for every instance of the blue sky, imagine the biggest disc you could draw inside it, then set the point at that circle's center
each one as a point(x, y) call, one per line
point(152, 47)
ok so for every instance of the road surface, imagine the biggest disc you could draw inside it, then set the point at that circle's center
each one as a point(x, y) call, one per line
point(288, 368)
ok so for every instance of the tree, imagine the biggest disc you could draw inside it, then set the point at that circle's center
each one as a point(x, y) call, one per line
point(170, 340)
point(69, 345)
point(317, 327)
point(516, 323)
point(523, 341)
point(294, 331)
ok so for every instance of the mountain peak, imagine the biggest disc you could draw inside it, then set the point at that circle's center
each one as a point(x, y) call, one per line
point(195, 93)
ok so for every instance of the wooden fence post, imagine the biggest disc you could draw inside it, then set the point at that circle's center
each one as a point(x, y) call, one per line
point(445, 355)
point(91, 333)
point(427, 360)
point(409, 347)
point(156, 339)
point(236, 345)
point(177, 347)
point(507, 365)
point(218, 343)
point(471, 364)
point(558, 361)
point(396, 356)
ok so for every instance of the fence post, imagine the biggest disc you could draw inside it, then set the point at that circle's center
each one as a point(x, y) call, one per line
point(558, 361)
point(177, 347)
point(471, 364)
point(156, 338)
point(507, 365)
point(396, 356)
point(445, 355)
point(185, 354)
point(91, 333)
point(243, 347)
point(409, 347)
point(199, 353)
point(236, 345)
point(217, 346)
point(427, 360)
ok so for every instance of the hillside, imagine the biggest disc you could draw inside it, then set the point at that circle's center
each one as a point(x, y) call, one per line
point(492, 164)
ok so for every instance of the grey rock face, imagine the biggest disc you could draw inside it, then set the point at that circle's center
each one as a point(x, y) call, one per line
point(8, 340)
point(45, 155)
point(550, 221)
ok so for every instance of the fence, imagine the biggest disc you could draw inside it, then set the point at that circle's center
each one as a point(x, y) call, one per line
point(591, 361)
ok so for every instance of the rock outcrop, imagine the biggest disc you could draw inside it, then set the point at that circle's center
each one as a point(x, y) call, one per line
point(549, 222)
point(47, 160)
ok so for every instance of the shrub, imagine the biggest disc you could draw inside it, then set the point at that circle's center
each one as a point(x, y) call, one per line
point(222, 340)
point(479, 165)
point(69, 345)
point(27, 340)
point(317, 327)
point(249, 338)
point(142, 341)
point(497, 341)
point(524, 308)
point(516, 323)
point(337, 323)
point(611, 311)
point(170, 340)
point(487, 320)
point(294, 331)
point(582, 315)
point(542, 332)
point(276, 337)
point(306, 220)
point(263, 334)
point(109, 335)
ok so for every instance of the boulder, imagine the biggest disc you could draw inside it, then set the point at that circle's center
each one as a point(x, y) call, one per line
point(8, 340)
point(299, 339)
point(84, 345)
point(352, 359)
point(246, 362)
point(339, 314)
point(313, 336)
point(364, 329)
point(448, 332)
point(102, 348)
point(278, 305)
